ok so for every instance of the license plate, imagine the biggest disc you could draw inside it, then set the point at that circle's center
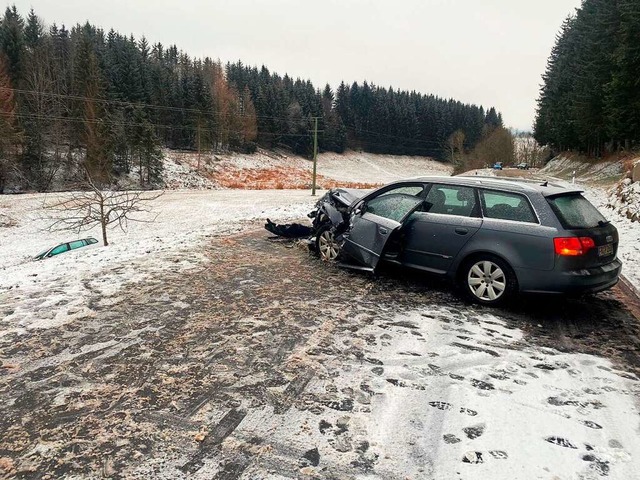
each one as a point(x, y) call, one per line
point(605, 250)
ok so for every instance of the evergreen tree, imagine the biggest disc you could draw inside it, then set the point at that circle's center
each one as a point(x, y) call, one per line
point(111, 101)
point(590, 94)
point(492, 119)
point(12, 42)
point(34, 30)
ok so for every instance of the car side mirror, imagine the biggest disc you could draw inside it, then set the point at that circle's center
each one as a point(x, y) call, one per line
point(360, 208)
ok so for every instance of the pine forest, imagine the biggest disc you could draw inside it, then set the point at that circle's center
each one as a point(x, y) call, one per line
point(590, 97)
point(106, 103)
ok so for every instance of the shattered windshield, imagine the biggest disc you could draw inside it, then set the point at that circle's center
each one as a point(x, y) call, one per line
point(394, 206)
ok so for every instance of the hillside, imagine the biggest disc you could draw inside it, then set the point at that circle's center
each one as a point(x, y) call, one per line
point(94, 99)
point(282, 170)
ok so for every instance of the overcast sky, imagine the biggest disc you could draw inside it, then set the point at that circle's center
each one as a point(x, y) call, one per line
point(487, 52)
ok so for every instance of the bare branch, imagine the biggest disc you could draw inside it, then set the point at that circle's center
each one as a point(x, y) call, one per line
point(86, 209)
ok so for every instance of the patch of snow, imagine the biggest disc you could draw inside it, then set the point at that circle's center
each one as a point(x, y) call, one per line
point(7, 221)
point(625, 200)
point(585, 171)
point(445, 393)
point(177, 175)
point(528, 412)
point(373, 168)
point(621, 205)
point(56, 290)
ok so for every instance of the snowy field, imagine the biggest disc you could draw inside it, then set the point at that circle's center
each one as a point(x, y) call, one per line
point(463, 393)
point(185, 219)
point(50, 292)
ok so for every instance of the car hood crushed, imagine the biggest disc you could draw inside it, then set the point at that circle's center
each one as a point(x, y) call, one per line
point(332, 208)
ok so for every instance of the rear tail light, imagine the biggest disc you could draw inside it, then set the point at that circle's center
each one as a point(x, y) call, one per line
point(573, 246)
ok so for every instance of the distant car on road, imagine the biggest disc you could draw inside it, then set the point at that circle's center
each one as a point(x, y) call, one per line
point(497, 166)
point(523, 166)
point(493, 237)
point(65, 247)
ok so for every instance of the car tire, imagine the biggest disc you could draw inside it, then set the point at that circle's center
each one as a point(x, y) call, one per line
point(488, 280)
point(327, 248)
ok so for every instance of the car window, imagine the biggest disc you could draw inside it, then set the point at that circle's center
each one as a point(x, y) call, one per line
point(575, 211)
point(59, 249)
point(76, 244)
point(91, 241)
point(393, 205)
point(451, 200)
point(414, 190)
point(507, 206)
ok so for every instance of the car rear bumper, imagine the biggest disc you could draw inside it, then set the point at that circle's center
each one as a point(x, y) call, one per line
point(572, 281)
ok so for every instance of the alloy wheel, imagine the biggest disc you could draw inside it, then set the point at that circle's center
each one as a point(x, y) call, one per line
point(486, 280)
point(329, 248)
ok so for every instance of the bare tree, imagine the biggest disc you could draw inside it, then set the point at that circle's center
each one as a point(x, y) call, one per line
point(10, 137)
point(497, 145)
point(45, 147)
point(455, 147)
point(84, 210)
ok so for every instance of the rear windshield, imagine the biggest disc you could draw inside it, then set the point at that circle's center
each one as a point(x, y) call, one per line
point(575, 211)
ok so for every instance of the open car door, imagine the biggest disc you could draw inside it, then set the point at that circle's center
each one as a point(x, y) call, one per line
point(376, 222)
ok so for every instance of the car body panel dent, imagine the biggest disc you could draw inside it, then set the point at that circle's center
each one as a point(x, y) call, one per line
point(368, 236)
point(333, 213)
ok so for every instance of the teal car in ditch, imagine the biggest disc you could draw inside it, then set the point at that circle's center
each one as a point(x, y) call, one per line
point(65, 247)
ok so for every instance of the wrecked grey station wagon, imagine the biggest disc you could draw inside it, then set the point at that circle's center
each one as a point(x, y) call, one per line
point(493, 237)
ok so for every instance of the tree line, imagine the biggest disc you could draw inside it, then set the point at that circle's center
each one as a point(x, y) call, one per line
point(590, 97)
point(86, 100)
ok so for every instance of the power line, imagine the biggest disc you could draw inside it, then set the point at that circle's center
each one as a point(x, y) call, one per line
point(415, 149)
point(212, 114)
point(134, 104)
point(132, 124)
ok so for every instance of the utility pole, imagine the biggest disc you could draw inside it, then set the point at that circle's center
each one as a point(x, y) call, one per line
point(198, 141)
point(315, 155)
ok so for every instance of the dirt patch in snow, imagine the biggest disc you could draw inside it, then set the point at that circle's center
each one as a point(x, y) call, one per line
point(7, 221)
point(279, 178)
point(279, 170)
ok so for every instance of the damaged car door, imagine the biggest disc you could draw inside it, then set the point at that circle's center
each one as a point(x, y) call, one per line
point(376, 220)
